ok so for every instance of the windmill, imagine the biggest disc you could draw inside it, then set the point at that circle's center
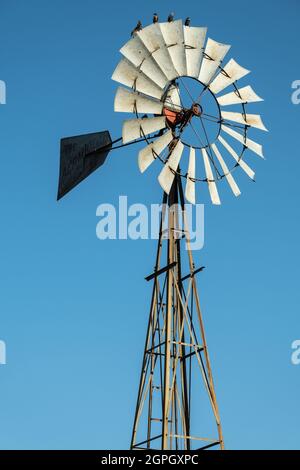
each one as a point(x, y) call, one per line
point(191, 113)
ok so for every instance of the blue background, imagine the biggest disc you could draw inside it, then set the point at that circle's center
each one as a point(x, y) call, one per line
point(73, 308)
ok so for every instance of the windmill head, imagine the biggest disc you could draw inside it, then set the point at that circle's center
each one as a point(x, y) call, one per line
point(156, 62)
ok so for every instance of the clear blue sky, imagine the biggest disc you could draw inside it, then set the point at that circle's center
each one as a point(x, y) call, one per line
point(73, 309)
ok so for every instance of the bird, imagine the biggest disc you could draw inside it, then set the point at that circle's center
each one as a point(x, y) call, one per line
point(155, 18)
point(137, 28)
point(187, 21)
point(171, 17)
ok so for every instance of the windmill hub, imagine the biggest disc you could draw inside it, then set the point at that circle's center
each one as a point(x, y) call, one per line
point(182, 118)
point(197, 109)
point(192, 111)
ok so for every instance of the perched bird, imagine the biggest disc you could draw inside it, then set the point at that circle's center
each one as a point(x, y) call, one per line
point(171, 17)
point(155, 18)
point(137, 28)
point(187, 22)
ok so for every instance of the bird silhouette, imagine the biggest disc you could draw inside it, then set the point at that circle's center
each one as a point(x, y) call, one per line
point(155, 18)
point(187, 22)
point(137, 28)
point(171, 17)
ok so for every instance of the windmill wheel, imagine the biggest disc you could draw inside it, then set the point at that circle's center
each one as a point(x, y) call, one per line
point(176, 84)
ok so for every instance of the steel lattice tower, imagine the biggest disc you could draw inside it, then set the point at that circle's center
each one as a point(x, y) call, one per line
point(175, 339)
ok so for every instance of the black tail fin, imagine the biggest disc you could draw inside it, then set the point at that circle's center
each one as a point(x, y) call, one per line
point(79, 157)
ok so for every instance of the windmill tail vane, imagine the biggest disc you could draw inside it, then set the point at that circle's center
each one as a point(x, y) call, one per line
point(187, 107)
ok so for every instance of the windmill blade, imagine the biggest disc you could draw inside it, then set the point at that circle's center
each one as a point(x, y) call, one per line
point(174, 39)
point(251, 120)
point(152, 38)
point(240, 161)
point(231, 181)
point(148, 154)
point(250, 144)
point(213, 56)
point(136, 52)
point(128, 75)
point(194, 39)
point(167, 174)
point(230, 74)
point(150, 68)
point(172, 100)
point(190, 190)
point(242, 95)
point(213, 191)
point(135, 128)
point(128, 101)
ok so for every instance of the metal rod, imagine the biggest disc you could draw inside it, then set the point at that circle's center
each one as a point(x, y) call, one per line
point(161, 271)
point(165, 429)
point(192, 274)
